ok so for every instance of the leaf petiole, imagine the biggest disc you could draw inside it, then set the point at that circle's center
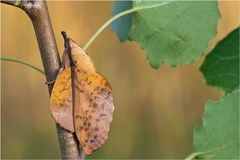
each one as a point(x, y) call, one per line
point(195, 154)
point(96, 34)
point(22, 62)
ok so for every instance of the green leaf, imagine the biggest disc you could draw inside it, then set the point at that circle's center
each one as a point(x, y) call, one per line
point(123, 24)
point(17, 2)
point(175, 33)
point(218, 138)
point(221, 66)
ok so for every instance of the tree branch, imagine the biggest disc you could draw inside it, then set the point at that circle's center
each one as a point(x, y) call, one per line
point(10, 2)
point(38, 12)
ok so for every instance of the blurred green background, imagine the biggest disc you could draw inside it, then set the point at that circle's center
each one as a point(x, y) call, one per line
point(155, 110)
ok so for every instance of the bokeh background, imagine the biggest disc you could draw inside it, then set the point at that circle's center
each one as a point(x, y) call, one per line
point(155, 110)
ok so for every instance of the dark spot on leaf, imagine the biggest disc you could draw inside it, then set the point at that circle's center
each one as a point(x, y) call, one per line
point(77, 116)
point(89, 124)
point(95, 136)
point(84, 145)
point(86, 141)
point(90, 100)
point(89, 82)
point(102, 115)
point(97, 120)
point(86, 129)
point(95, 105)
point(84, 123)
point(92, 141)
point(81, 128)
point(96, 129)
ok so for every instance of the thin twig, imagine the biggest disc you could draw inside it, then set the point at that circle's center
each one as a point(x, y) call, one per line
point(22, 62)
point(38, 12)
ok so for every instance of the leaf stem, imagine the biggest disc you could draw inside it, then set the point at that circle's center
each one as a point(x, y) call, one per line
point(194, 154)
point(22, 62)
point(96, 34)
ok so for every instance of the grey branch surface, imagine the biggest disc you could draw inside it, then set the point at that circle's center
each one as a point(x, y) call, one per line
point(38, 12)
